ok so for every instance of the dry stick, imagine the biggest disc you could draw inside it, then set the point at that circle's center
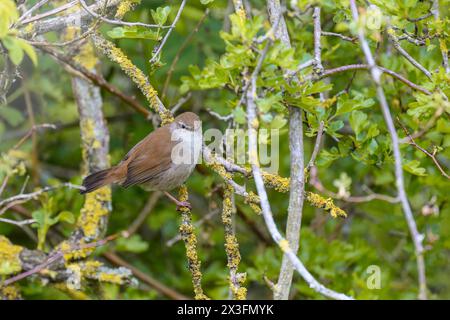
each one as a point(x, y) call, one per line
point(180, 50)
point(416, 236)
point(442, 45)
point(163, 42)
point(158, 286)
point(431, 155)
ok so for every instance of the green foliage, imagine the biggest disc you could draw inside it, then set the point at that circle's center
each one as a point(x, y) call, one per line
point(355, 157)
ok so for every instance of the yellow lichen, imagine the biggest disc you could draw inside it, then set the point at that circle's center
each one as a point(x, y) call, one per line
point(10, 293)
point(277, 182)
point(70, 253)
point(9, 257)
point(190, 243)
point(284, 245)
point(138, 77)
point(123, 8)
point(326, 204)
point(110, 277)
point(93, 211)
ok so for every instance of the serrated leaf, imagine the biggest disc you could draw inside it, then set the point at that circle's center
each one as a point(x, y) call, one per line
point(160, 14)
point(413, 167)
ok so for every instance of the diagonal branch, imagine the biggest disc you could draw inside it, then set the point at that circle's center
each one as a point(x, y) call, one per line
point(416, 236)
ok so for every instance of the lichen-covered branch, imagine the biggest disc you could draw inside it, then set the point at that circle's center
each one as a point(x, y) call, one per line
point(237, 279)
point(190, 242)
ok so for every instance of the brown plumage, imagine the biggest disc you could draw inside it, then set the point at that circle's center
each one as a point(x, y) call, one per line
point(149, 163)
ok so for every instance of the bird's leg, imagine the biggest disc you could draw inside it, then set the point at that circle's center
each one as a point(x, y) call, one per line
point(179, 203)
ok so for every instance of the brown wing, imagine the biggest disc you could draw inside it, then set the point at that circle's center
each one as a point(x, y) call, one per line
point(149, 158)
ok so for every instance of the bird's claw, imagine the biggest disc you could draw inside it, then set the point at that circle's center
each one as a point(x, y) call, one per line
point(183, 204)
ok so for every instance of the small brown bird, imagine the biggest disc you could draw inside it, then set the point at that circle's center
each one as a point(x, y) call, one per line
point(161, 161)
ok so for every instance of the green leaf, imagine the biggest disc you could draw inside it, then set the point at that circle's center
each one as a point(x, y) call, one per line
point(413, 167)
point(358, 121)
point(206, 1)
point(39, 217)
point(239, 115)
point(160, 14)
point(29, 50)
point(14, 49)
point(133, 32)
point(8, 15)
point(65, 216)
point(133, 244)
point(278, 122)
point(11, 115)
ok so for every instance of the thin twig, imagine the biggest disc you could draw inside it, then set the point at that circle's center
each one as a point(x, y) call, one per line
point(159, 47)
point(148, 208)
point(334, 34)
point(330, 72)
point(316, 149)
point(431, 155)
point(118, 22)
point(415, 63)
point(180, 50)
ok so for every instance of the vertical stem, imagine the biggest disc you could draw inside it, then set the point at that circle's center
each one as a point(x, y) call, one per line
point(297, 183)
point(416, 236)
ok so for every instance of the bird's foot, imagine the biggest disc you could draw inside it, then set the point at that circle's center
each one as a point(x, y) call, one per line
point(180, 204)
point(183, 204)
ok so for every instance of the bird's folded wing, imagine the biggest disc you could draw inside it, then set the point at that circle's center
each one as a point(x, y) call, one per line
point(148, 159)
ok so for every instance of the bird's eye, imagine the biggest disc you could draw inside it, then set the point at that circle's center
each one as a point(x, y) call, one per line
point(183, 126)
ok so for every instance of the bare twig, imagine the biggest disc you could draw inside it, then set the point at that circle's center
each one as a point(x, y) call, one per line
point(180, 50)
point(403, 52)
point(118, 22)
point(18, 223)
point(416, 236)
point(316, 149)
point(159, 47)
point(330, 72)
point(6, 203)
point(33, 129)
point(431, 155)
point(334, 34)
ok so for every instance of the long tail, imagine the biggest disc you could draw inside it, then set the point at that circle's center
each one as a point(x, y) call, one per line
point(99, 179)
